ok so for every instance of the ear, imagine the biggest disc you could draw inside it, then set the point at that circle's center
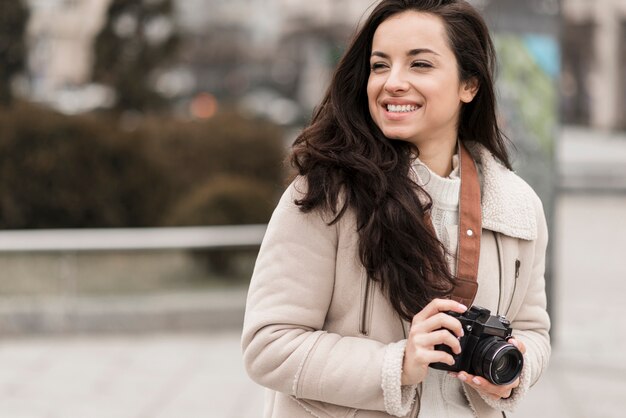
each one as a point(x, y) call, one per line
point(468, 90)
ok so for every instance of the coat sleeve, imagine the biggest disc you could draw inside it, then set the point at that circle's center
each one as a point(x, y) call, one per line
point(284, 345)
point(531, 324)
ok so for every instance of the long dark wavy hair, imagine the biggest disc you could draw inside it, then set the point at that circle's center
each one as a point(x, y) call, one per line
point(350, 165)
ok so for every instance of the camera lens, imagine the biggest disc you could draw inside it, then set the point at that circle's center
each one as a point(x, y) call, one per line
point(497, 361)
point(502, 364)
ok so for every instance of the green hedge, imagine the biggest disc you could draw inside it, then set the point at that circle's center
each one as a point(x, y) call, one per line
point(60, 171)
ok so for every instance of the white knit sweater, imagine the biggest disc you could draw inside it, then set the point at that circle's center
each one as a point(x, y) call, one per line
point(442, 395)
point(444, 192)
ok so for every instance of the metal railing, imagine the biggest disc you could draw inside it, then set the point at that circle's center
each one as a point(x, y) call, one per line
point(66, 309)
point(78, 240)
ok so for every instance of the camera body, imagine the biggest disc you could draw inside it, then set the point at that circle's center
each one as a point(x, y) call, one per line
point(485, 351)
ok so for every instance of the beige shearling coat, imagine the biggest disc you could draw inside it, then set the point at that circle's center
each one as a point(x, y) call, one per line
point(326, 342)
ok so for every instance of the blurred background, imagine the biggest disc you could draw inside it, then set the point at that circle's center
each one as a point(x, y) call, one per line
point(142, 149)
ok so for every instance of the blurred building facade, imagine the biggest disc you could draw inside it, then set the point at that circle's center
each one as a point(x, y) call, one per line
point(274, 56)
point(285, 50)
point(60, 37)
point(229, 49)
point(594, 63)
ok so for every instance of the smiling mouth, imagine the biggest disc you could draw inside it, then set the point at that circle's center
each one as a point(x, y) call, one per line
point(401, 108)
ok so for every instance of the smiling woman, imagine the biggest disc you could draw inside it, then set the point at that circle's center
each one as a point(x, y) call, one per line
point(404, 205)
point(414, 91)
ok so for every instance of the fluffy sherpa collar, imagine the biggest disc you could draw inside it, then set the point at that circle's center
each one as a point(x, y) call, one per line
point(508, 202)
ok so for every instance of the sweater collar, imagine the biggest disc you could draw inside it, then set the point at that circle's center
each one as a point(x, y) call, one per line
point(507, 200)
point(443, 190)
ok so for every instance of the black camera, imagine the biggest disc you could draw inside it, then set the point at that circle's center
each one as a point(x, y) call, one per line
point(484, 348)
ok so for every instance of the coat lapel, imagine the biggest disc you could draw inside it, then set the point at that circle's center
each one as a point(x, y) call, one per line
point(507, 201)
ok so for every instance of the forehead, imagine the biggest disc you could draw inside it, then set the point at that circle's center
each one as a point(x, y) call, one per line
point(409, 30)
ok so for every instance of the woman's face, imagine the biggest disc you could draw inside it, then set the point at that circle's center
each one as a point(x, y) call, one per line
point(414, 92)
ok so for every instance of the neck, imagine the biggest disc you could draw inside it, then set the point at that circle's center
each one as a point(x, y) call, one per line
point(438, 156)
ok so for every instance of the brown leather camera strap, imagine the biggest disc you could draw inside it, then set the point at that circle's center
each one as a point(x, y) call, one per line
point(470, 231)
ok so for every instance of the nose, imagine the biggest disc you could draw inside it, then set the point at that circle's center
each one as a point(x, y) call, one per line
point(396, 82)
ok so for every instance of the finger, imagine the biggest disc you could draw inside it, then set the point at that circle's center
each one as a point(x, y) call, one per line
point(441, 320)
point(468, 379)
point(479, 380)
point(438, 337)
point(439, 305)
point(485, 386)
point(464, 376)
point(482, 384)
point(519, 344)
point(433, 356)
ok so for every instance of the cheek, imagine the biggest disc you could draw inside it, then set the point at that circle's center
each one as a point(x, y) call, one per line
point(449, 90)
point(444, 96)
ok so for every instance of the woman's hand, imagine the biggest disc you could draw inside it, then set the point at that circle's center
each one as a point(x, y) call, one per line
point(483, 385)
point(431, 326)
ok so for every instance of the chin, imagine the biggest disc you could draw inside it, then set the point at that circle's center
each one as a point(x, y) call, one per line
point(399, 136)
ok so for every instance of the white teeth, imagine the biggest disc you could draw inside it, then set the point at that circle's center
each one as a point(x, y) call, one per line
point(401, 108)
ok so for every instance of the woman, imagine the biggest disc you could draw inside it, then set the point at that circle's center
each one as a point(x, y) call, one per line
point(350, 293)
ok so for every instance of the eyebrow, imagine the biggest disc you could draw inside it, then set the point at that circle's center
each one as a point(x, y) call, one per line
point(410, 53)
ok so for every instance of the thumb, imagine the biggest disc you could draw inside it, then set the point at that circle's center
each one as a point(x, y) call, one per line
point(518, 344)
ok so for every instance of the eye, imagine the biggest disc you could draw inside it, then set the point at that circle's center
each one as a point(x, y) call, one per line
point(378, 66)
point(421, 64)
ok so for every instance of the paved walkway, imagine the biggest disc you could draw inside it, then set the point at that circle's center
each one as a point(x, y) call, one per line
point(201, 376)
point(151, 376)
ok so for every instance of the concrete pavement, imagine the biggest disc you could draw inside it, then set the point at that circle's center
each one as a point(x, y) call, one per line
point(201, 376)
point(149, 376)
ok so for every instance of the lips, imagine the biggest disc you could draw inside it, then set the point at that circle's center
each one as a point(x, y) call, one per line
point(397, 110)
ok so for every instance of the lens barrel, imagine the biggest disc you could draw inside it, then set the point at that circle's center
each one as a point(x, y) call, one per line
point(498, 361)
